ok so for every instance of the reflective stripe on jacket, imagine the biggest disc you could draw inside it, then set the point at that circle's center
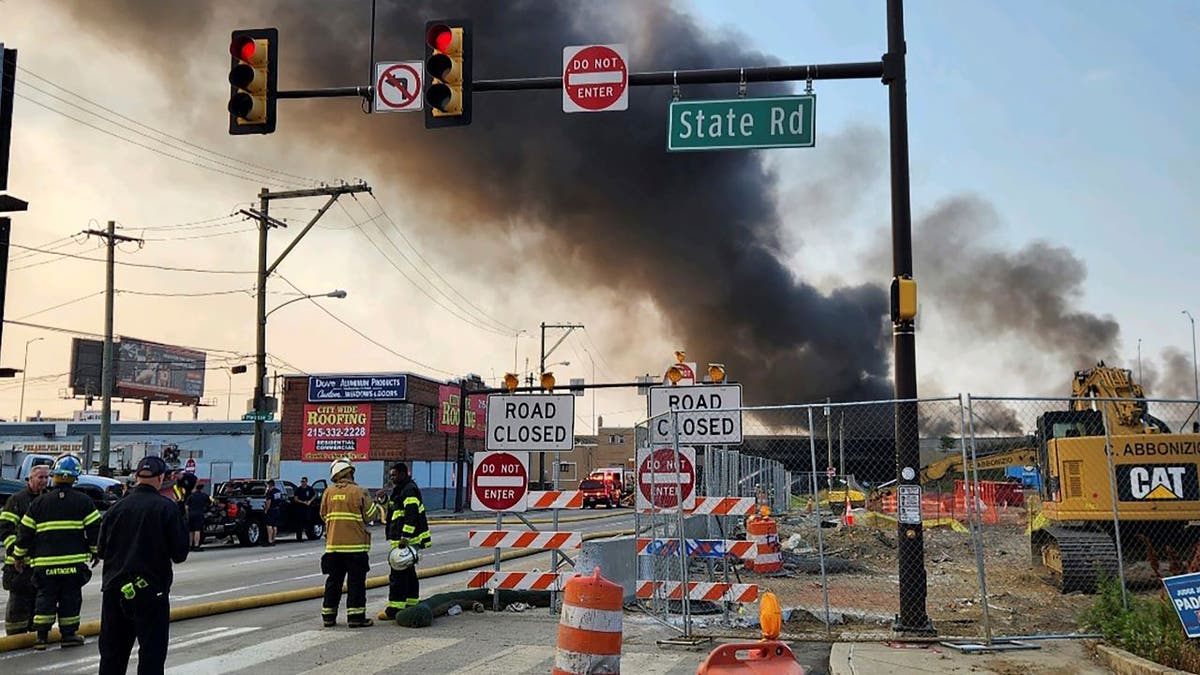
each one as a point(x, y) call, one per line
point(346, 509)
point(60, 528)
point(406, 517)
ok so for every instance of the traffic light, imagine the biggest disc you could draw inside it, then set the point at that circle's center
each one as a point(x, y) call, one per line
point(253, 77)
point(447, 73)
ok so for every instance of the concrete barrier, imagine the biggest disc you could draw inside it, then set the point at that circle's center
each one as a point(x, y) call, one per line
point(616, 560)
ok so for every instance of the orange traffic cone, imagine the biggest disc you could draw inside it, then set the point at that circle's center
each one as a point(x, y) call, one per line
point(848, 515)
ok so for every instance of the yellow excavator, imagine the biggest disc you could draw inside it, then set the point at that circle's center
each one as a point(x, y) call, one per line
point(1154, 480)
point(996, 460)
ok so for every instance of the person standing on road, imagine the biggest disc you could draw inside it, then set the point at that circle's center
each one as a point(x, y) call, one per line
point(272, 512)
point(302, 500)
point(346, 509)
point(58, 535)
point(139, 539)
point(197, 507)
point(18, 614)
point(406, 526)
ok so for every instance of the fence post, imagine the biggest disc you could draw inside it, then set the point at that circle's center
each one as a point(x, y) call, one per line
point(812, 449)
point(976, 528)
point(1112, 482)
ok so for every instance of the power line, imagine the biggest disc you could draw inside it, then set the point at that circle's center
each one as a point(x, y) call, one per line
point(363, 335)
point(83, 333)
point(433, 269)
point(201, 294)
point(202, 236)
point(131, 264)
point(196, 224)
point(62, 304)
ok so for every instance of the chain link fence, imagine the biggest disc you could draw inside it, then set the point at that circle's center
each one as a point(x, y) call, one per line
point(1016, 506)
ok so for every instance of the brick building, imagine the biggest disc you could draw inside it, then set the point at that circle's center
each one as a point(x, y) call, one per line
point(613, 446)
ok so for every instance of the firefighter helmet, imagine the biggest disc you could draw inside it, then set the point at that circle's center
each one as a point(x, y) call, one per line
point(338, 466)
point(66, 467)
point(403, 557)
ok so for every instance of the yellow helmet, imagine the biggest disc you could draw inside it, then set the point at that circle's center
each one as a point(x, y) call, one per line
point(338, 466)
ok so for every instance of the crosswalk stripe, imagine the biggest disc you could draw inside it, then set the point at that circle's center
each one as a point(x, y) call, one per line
point(649, 663)
point(516, 659)
point(259, 653)
point(385, 658)
point(88, 663)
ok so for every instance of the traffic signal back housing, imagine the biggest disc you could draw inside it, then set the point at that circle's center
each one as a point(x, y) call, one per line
point(448, 59)
point(253, 80)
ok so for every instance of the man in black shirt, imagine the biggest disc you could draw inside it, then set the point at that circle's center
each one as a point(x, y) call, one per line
point(140, 536)
point(302, 499)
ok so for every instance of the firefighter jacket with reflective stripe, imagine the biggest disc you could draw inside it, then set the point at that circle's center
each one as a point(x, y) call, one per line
point(61, 527)
point(406, 516)
point(346, 509)
point(10, 520)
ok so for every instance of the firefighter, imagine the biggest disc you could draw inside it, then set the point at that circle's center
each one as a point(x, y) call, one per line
point(141, 536)
point(18, 617)
point(346, 509)
point(58, 536)
point(406, 526)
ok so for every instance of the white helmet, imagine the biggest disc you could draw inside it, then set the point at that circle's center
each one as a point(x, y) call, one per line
point(339, 465)
point(403, 557)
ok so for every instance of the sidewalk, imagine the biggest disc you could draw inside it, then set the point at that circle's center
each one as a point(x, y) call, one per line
point(1060, 657)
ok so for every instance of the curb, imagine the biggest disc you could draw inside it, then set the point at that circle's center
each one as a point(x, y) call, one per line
point(537, 521)
point(91, 628)
point(1125, 663)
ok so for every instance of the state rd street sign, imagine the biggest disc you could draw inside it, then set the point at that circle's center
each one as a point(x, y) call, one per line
point(709, 414)
point(595, 78)
point(500, 481)
point(537, 422)
point(658, 485)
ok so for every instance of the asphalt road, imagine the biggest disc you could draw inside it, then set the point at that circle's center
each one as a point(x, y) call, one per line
point(225, 572)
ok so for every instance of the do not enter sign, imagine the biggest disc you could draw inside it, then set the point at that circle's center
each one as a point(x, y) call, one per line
point(595, 78)
point(659, 486)
point(500, 481)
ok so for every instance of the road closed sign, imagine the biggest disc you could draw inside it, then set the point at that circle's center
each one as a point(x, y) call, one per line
point(536, 422)
point(595, 78)
point(660, 484)
point(500, 481)
point(708, 414)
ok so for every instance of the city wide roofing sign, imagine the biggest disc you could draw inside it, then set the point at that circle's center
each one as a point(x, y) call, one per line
point(332, 431)
point(369, 387)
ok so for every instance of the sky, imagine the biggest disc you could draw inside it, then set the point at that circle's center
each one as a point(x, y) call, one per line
point(1052, 154)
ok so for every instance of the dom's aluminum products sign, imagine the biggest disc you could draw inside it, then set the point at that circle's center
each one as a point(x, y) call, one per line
point(376, 387)
point(1184, 591)
point(708, 414)
point(151, 370)
point(538, 422)
point(332, 431)
point(743, 123)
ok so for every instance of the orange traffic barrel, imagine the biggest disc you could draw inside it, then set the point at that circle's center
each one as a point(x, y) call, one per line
point(769, 657)
point(589, 629)
point(764, 532)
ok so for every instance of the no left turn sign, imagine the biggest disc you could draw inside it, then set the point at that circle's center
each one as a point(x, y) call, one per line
point(595, 78)
point(398, 86)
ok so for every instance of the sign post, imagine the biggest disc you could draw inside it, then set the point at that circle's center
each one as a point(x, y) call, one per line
point(500, 481)
point(595, 78)
point(743, 123)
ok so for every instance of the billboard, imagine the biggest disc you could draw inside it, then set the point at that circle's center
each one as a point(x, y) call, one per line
point(377, 387)
point(157, 371)
point(87, 363)
point(476, 424)
point(332, 431)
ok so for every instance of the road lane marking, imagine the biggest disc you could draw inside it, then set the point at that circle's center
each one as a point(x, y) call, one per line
point(515, 659)
point(384, 659)
point(263, 652)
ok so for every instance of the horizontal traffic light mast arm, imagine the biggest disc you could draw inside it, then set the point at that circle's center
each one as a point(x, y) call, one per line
point(329, 92)
point(575, 387)
point(827, 71)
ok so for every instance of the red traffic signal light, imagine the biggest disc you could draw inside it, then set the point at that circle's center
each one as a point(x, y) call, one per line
point(448, 53)
point(253, 78)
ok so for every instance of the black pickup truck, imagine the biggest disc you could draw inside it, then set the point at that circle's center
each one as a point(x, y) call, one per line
point(238, 511)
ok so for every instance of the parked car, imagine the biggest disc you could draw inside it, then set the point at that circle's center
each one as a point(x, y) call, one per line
point(9, 488)
point(596, 492)
point(103, 491)
point(239, 511)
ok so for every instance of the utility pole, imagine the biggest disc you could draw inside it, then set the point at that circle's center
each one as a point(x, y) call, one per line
point(264, 405)
point(8, 203)
point(107, 376)
point(568, 327)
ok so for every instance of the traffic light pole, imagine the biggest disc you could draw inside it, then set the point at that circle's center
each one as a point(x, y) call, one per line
point(265, 222)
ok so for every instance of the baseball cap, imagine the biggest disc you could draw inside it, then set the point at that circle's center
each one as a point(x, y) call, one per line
point(151, 466)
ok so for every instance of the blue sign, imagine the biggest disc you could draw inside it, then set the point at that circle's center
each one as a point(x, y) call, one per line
point(1185, 596)
point(377, 387)
point(699, 548)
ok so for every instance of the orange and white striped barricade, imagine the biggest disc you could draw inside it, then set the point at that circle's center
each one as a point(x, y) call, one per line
point(519, 581)
point(764, 532)
point(700, 548)
point(589, 628)
point(555, 499)
point(524, 539)
point(713, 591)
point(724, 506)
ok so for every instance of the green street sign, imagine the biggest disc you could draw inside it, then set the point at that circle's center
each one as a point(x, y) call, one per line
point(254, 416)
point(743, 123)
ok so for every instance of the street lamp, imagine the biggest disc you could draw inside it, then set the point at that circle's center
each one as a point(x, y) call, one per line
point(339, 294)
point(516, 338)
point(21, 412)
point(1195, 369)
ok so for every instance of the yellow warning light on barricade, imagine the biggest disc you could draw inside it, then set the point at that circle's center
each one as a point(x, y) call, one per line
point(770, 616)
point(674, 374)
point(716, 372)
point(680, 355)
point(511, 381)
point(547, 381)
point(764, 511)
